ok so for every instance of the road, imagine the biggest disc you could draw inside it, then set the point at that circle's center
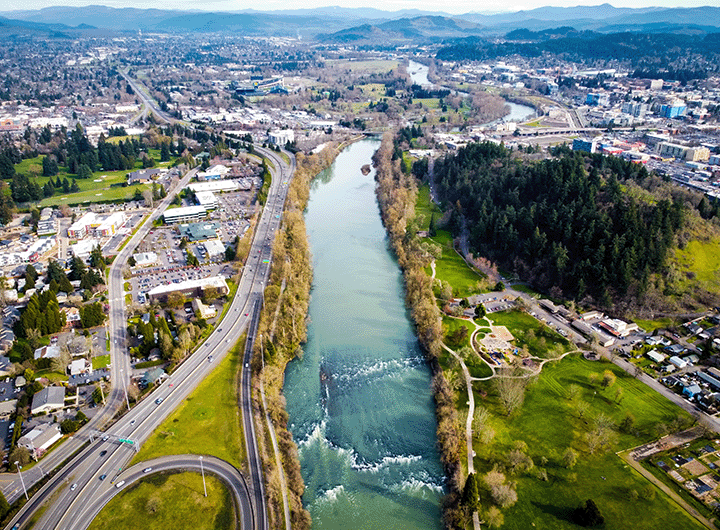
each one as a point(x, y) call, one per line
point(10, 484)
point(232, 478)
point(138, 424)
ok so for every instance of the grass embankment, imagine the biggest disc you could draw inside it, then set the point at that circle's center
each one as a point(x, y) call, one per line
point(532, 335)
point(282, 323)
point(101, 361)
point(699, 265)
point(208, 422)
point(174, 501)
point(452, 268)
point(562, 411)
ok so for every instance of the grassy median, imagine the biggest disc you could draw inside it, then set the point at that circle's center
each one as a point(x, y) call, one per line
point(174, 501)
point(208, 422)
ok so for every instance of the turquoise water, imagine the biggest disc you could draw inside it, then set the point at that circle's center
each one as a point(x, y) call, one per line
point(359, 400)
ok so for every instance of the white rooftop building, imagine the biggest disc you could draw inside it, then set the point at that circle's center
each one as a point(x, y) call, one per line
point(214, 185)
point(206, 199)
point(145, 259)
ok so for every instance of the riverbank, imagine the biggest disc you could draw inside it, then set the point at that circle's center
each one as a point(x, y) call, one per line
point(397, 192)
point(282, 327)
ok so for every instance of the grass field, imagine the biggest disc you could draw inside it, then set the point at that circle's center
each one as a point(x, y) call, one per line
point(429, 103)
point(529, 332)
point(453, 269)
point(700, 259)
point(101, 361)
point(451, 325)
point(368, 67)
point(549, 423)
point(207, 423)
point(174, 501)
point(527, 290)
point(375, 90)
point(426, 208)
point(97, 188)
point(652, 325)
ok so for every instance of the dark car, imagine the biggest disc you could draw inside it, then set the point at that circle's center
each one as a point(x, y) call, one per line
point(102, 477)
point(103, 453)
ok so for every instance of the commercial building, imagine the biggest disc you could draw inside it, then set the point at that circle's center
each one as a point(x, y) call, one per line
point(47, 352)
point(189, 288)
point(80, 228)
point(281, 137)
point(635, 109)
point(597, 99)
point(585, 144)
point(216, 172)
point(683, 152)
point(673, 110)
point(184, 214)
point(207, 200)
point(48, 399)
point(214, 185)
point(145, 259)
point(199, 231)
point(110, 225)
point(215, 249)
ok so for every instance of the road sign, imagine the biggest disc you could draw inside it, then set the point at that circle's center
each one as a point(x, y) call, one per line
point(131, 442)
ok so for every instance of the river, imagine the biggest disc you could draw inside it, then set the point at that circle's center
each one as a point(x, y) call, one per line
point(360, 400)
point(518, 113)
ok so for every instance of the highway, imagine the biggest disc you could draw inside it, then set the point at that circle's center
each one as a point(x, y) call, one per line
point(137, 425)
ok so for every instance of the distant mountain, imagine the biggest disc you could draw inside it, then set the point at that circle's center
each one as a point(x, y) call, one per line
point(10, 26)
point(418, 29)
point(405, 24)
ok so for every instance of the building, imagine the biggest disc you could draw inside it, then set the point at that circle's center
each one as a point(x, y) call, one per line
point(709, 379)
point(692, 390)
point(151, 376)
point(205, 311)
point(142, 176)
point(656, 356)
point(585, 144)
point(216, 172)
point(674, 110)
point(207, 200)
point(597, 99)
point(199, 231)
point(635, 109)
point(40, 439)
point(145, 259)
point(184, 214)
point(214, 185)
point(189, 288)
point(47, 352)
point(215, 249)
point(110, 225)
point(617, 327)
point(547, 304)
point(677, 361)
point(80, 228)
point(79, 366)
point(48, 399)
point(82, 249)
point(281, 137)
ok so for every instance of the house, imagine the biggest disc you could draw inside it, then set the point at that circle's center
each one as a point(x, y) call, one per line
point(693, 327)
point(692, 390)
point(677, 361)
point(675, 349)
point(20, 382)
point(47, 352)
point(709, 379)
point(40, 439)
point(48, 399)
point(656, 356)
point(5, 366)
point(79, 366)
point(72, 316)
point(7, 408)
point(151, 376)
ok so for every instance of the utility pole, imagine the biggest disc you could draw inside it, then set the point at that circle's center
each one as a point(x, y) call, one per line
point(203, 476)
point(21, 480)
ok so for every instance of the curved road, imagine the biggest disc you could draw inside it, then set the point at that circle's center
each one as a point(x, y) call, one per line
point(232, 478)
point(141, 421)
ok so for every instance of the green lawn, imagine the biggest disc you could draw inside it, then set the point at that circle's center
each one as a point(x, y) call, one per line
point(426, 208)
point(430, 103)
point(97, 188)
point(453, 269)
point(529, 332)
point(174, 501)
point(208, 422)
point(100, 361)
point(549, 423)
point(700, 259)
point(652, 325)
point(451, 325)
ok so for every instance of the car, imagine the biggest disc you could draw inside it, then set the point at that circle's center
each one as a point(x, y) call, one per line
point(120, 484)
point(105, 438)
point(73, 487)
point(102, 477)
point(158, 401)
point(246, 314)
point(103, 453)
point(132, 422)
point(147, 470)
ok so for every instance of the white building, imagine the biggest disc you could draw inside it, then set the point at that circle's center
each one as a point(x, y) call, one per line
point(189, 288)
point(214, 185)
point(110, 225)
point(47, 352)
point(184, 215)
point(677, 361)
point(40, 439)
point(80, 228)
point(82, 249)
point(207, 200)
point(215, 249)
point(281, 137)
point(145, 259)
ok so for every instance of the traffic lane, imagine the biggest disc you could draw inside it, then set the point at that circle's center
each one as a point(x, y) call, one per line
point(227, 473)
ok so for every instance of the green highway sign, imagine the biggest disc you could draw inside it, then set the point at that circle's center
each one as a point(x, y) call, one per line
point(127, 441)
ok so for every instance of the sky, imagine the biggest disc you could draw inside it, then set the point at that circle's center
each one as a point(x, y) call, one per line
point(456, 6)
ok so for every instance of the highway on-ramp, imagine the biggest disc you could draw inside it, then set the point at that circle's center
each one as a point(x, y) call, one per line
point(108, 454)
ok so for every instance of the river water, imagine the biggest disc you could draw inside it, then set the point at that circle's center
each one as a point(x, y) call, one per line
point(359, 400)
point(518, 113)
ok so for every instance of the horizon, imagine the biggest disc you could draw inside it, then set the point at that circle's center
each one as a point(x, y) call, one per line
point(462, 7)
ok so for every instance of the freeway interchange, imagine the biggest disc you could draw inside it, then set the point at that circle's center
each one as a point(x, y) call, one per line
point(104, 453)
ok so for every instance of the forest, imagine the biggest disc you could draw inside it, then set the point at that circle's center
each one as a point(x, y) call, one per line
point(661, 52)
point(567, 224)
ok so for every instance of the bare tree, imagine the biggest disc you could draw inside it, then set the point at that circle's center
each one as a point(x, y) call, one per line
point(511, 391)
